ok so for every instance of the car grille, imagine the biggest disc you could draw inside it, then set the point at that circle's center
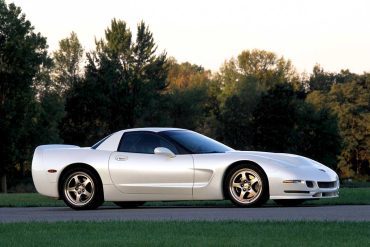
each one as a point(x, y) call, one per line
point(326, 184)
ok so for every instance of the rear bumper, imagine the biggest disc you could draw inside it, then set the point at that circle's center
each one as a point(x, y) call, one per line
point(42, 180)
point(43, 185)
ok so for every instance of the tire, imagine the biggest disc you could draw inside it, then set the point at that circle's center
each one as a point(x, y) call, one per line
point(129, 204)
point(80, 189)
point(246, 185)
point(289, 202)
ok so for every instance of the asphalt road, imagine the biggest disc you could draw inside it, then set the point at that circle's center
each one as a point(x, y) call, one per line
point(322, 213)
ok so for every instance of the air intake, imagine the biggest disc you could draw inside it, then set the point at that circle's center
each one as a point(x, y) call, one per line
point(326, 184)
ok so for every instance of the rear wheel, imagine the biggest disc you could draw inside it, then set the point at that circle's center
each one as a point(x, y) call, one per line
point(129, 204)
point(81, 189)
point(289, 203)
point(246, 185)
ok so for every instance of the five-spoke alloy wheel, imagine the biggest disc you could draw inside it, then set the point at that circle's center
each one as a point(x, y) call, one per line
point(246, 185)
point(81, 189)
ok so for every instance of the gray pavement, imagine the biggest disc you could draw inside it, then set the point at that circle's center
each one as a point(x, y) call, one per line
point(321, 213)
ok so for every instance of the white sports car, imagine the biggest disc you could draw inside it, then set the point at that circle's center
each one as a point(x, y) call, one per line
point(133, 166)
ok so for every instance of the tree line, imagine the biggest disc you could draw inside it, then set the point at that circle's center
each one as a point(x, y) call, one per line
point(256, 101)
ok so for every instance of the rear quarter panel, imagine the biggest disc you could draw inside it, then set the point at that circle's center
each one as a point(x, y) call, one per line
point(59, 159)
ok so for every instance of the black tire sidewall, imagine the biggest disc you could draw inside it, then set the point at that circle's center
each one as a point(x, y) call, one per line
point(97, 198)
point(263, 197)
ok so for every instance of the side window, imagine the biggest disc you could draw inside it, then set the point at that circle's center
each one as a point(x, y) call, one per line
point(141, 142)
point(165, 144)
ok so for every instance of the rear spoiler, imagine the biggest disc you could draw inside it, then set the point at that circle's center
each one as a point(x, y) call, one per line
point(55, 146)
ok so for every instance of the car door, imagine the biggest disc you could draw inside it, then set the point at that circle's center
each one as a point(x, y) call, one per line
point(135, 169)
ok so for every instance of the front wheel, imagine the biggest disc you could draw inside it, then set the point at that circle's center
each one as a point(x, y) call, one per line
point(246, 185)
point(80, 189)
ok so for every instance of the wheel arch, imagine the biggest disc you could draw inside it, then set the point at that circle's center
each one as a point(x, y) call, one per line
point(239, 162)
point(78, 165)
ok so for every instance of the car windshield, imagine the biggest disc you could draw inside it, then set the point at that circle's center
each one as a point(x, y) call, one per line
point(196, 143)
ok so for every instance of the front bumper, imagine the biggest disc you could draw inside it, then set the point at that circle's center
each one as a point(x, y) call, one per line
point(308, 189)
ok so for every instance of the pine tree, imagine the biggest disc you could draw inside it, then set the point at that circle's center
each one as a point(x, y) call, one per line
point(122, 84)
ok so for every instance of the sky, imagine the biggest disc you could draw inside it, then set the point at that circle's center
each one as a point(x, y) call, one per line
point(332, 33)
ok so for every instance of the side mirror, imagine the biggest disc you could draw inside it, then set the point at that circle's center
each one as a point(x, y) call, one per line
point(164, 151)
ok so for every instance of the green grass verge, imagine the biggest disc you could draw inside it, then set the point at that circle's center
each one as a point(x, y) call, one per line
point(348, 196)
point(194, 233)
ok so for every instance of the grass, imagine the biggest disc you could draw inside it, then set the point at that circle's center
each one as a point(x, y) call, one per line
point(355, 184)
point(348, 196)
point(194, 233)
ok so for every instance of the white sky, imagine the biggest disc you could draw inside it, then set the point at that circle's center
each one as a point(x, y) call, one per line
point(333, 33)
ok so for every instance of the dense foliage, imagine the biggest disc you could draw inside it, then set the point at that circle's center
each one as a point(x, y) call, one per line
point(25, 95)
point(256, 101)
point(121, 87)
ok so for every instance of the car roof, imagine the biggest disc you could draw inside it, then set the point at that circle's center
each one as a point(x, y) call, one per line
point(152, 129)
point(111, 143)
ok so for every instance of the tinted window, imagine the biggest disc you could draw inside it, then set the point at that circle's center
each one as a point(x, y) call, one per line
point(196, 143)
point(143, 142)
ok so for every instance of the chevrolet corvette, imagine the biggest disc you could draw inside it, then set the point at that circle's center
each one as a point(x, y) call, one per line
point(133, 166)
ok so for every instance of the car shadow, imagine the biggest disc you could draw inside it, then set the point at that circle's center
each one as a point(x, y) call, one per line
point(144, 207)
point(209, 206)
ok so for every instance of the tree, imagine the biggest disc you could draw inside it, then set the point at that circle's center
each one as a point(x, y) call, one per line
point(187, 95)
point(349, 100)
point(67, 62)
point(242, 81)
point(235, 116)
point(23, 53)
point(274, 119)
point(122, 86)
point(284, 122)
point(265, 67)
point(320, 80)
point(186, 75)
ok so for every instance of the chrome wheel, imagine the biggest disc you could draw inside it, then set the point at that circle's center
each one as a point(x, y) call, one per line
point(245, 186)
point(79, 188)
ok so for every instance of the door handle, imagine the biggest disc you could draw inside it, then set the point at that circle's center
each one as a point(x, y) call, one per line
point(121, 158)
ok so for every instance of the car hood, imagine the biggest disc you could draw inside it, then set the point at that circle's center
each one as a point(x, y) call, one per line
point(290, 160)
